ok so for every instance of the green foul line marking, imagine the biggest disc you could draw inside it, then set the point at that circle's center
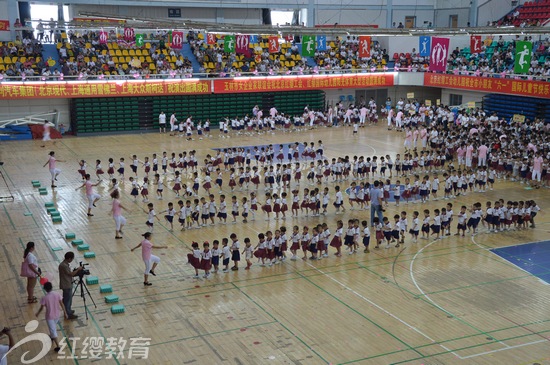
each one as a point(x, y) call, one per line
point(361, 315)
point(282, 325)
point(9, 217)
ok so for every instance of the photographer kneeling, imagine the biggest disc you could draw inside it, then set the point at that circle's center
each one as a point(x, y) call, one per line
point(66, 282)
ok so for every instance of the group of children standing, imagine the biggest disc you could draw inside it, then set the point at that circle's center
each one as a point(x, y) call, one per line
point(313, 243)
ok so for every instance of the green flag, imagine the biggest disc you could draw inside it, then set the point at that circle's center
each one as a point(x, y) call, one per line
point(139, 40)
point(522, 62)
point(229, 43)
point(308, 46)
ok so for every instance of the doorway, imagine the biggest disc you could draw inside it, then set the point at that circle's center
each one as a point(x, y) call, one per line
point(410, 22)
point(453, 21)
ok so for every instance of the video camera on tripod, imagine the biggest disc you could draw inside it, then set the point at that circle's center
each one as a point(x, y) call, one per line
point(82, 285)
point(84, 271)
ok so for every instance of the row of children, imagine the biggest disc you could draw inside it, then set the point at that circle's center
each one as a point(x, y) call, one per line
point(272, 246)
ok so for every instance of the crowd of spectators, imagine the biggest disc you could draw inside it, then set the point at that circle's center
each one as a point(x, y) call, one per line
point(215, 61)
point(83, 56)
point(343, 54)
point(22, 57)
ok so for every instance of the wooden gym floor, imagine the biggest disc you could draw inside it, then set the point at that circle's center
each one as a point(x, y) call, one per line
point(450, 301)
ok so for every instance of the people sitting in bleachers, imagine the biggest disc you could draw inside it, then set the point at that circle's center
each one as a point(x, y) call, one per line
point(214, 60)
point(342, 54)
point(84, 56)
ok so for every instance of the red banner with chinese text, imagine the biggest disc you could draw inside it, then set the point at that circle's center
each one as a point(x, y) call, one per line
point(537, 89)
point(4, 25)
point(102, 89)
point(290, 83)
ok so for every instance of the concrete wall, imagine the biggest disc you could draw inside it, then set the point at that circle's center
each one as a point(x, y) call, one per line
point(351, 16)
point(467, 96)
point(442, 17)
point(237, 16)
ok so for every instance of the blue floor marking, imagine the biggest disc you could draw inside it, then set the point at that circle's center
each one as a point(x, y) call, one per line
point(532, 257)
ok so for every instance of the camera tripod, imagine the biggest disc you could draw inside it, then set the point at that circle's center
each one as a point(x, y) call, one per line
point(83, 291)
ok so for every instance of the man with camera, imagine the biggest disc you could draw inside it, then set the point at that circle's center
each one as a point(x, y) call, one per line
point(66, 276)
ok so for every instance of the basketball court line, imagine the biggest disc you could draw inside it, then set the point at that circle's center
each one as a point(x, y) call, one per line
point(382, 310)
point(411, 269)
point(534, 342)
point(507, 347)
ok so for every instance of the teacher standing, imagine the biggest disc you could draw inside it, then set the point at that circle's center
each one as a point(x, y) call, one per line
point(376, 202)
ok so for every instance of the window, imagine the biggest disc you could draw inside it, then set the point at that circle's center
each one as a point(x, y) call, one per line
point(455, 99)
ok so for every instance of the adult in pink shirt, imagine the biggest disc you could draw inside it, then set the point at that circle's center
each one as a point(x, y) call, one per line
point(116, 211)
point(53, 302)
point(54, 171)
point(460, 153)
point(424, 138)
point(151, 261)
point(408, 139)
point(363, 115)
point(347, 116)
point(469, 153)
point(537, 167)
point(416, 133)
point(90, 194)
point(482, 155)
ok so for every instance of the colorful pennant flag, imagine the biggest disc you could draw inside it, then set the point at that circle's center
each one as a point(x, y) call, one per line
point(424, 46)
point(522, 61)
point(308, 46)
point(364, 46)
point(103, 36)
point(273, 44)
point(211, 38)
point(229, 43)
point(129, 34)
point(475, 44)
point(439, 54)
point(139, 40)
point(242, 44)
point(177, 39)
point(321, 42)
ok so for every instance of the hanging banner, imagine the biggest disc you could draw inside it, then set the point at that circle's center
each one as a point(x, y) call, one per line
point(253, 39)
point(229, 43)
point(129, 34)
point(539, 89)
point(310, 82)
point(273, 44)
point(103, 36)
point(364, 46)
point(242, 45)
point(108, 89)
point(475, 44)
point(140, 40)
point(321, 42)
point(424, 46)
point(308, 46)
point(177, 39)
point(439, 54)
point(211, 38)
point(522, 61)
